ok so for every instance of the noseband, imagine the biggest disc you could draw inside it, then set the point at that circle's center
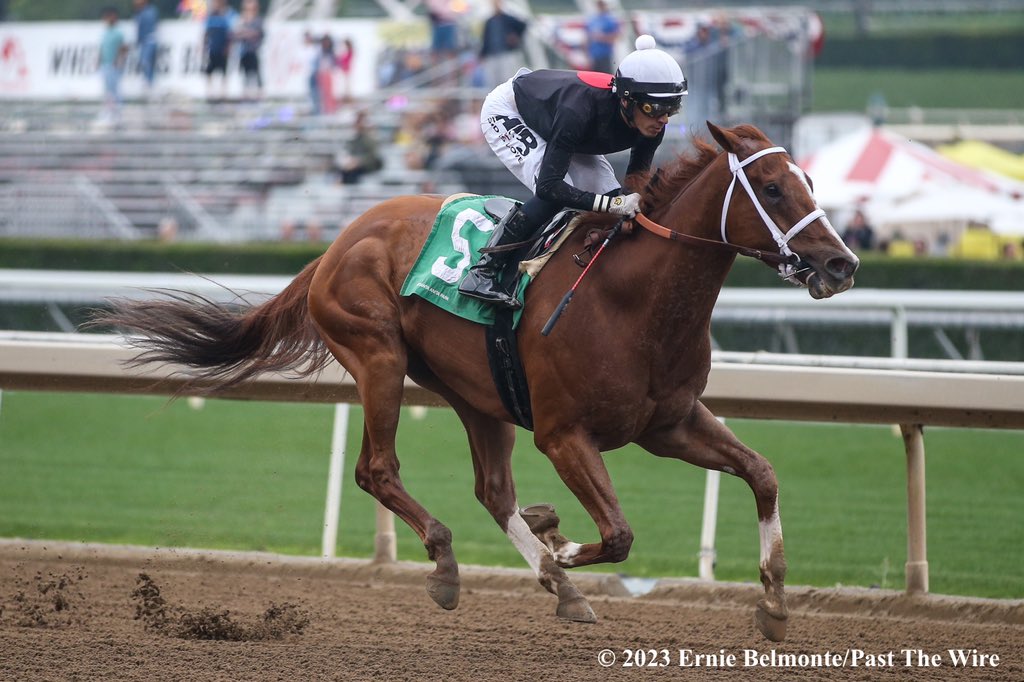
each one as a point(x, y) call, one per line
point(787, 262)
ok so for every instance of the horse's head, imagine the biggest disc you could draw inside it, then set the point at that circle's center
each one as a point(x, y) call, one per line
point(770, 206)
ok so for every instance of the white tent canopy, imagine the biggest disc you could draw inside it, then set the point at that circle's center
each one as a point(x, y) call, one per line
point(900, 182)
point(954, 207)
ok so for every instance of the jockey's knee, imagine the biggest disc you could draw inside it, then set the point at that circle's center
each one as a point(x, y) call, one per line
point(618, 543)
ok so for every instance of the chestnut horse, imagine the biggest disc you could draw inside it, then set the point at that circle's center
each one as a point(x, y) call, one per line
point(638, 332)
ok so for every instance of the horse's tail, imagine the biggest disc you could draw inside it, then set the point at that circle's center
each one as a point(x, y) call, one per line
point(224, 344)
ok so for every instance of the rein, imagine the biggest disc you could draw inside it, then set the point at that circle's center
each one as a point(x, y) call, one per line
point(785, 260)
point(775, 259)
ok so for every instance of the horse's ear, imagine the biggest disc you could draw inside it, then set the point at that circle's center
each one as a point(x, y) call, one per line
point(728, 141)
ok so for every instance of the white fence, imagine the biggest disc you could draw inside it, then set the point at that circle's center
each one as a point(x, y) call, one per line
point(899, 309)
point(68, 362)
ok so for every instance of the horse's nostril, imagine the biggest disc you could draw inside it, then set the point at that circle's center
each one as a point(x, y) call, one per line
point(841, 268)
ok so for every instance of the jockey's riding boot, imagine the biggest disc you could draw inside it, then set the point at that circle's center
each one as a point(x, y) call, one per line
point(483, 281)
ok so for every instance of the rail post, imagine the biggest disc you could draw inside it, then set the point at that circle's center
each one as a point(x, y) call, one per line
point(385, 542)
point(917, 543)
point(335, 471)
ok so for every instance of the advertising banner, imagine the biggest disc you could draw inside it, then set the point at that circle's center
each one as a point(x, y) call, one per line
point(59, 60)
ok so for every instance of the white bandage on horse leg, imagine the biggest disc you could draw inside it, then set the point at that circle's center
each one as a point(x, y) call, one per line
point(770, 532)
point(525, 541)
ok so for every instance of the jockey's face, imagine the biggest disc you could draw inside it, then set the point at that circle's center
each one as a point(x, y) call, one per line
point(649, 125)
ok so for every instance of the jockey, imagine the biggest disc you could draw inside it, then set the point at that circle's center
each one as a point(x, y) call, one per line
point(551, 128)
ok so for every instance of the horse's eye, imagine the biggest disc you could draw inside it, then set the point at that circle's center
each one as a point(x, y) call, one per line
point(772, 190)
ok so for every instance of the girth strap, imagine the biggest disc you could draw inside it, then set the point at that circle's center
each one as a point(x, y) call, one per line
point(507, 369)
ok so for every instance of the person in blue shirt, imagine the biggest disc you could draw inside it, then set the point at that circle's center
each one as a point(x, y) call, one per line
point(146, 19)
point(111, 61)
point(216, 43)
point(602, 32)
point(249, 35)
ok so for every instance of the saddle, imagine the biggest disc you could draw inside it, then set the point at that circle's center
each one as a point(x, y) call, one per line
point(544, 244)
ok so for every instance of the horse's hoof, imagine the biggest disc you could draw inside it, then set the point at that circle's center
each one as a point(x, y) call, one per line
point(540, 517)
point(574, 606)
point(444, 591)
point(772, 625)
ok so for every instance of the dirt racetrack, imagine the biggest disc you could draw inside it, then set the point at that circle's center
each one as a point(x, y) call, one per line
point(82, 612)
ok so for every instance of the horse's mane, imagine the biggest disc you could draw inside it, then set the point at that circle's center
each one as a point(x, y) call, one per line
point(671, 180)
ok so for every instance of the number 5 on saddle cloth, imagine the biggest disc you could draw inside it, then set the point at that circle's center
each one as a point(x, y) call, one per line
point(462, 228)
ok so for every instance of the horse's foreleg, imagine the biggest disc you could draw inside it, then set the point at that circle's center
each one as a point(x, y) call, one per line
point(580, 466)
point(490, 442)
point(706, 442)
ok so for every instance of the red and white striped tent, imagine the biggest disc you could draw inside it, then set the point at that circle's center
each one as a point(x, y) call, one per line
point(904, 185)
point(875, 166)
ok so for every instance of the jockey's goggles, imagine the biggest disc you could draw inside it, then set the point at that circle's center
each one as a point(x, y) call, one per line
point(668, 106)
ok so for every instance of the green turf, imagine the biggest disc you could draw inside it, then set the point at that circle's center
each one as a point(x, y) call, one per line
point(909, 23)
point(249, 475)
point(849, 89)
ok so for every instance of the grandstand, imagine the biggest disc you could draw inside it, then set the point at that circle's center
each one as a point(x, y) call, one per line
point(220, 173)
point(237, 172)
point(176, 164)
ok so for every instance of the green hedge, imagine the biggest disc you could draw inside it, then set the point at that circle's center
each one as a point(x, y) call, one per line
point(288, 259)
point(117, 256)
point(927, 51)
point(881, 272)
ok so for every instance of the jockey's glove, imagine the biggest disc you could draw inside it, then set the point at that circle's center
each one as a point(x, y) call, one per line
point(627, 205)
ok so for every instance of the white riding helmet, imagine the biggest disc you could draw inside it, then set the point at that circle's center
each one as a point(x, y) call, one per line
point(648, 73)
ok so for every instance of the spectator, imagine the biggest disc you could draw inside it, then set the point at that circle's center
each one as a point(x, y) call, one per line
point(111, 63)
point(216, 43)
point(321, 77)
point(325, 75)
point(361, 154)
point(146, 19)
point(167, 229)
point(706, 65)
point(501, 49)
point(314, 230)
point(409, 138)
point(444, 33)
point(859, 235)
point(348, 53)
point(249, 35)
point(437, 131)
point(603, 30)
point(192, 9)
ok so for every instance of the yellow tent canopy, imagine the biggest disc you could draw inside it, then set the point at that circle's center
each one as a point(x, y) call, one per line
point(985, 156)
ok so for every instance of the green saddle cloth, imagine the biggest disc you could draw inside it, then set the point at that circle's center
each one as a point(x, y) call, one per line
point(461, 229)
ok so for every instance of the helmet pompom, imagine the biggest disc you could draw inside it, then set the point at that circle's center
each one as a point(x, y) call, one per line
point(645, 42)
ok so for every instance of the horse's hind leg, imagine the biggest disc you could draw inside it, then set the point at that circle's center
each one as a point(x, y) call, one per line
point(708, 443)
point(372, 350)
point(378, 475)
point(490, 442)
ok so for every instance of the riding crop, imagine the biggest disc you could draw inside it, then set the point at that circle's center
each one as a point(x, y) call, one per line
point(550, 324)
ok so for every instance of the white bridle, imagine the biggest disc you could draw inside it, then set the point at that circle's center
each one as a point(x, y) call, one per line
point(786, 270)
